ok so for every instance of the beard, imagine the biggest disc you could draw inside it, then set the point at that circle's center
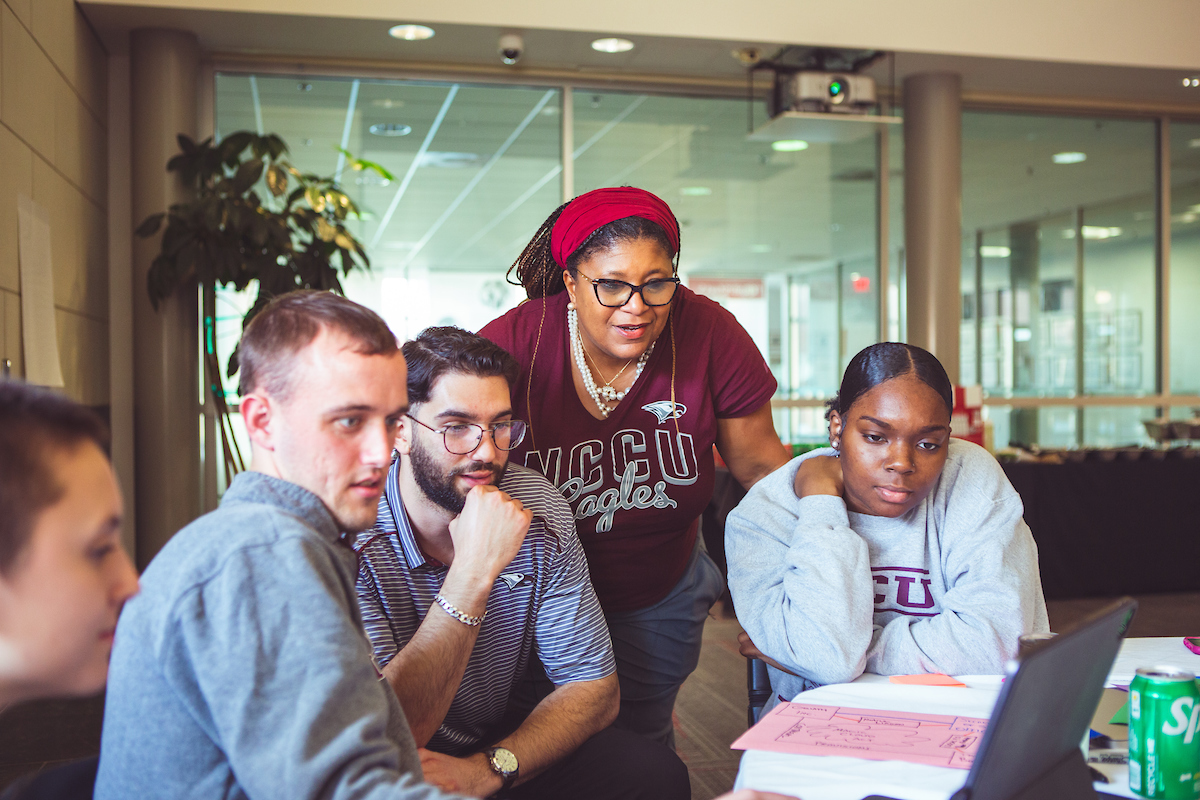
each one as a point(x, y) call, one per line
point(439, 486)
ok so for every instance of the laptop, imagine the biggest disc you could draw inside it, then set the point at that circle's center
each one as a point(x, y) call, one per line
point(1030, 750)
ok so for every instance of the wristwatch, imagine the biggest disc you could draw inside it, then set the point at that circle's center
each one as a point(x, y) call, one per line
point(504, 763)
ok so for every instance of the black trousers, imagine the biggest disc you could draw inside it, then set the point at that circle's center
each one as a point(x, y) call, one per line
point(612, 765)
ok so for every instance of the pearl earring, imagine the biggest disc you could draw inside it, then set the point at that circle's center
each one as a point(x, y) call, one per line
point(571, 306)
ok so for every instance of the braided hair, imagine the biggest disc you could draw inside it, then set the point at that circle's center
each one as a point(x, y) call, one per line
point(541, 276)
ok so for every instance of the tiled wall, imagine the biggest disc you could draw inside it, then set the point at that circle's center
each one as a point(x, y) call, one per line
point(53, 112)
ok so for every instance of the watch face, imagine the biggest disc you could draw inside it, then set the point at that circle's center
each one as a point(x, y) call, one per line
point(504, 760)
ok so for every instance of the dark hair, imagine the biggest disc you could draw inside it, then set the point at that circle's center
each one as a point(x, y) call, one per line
point(881, 362)
point(290, 322)
point(35, 425)
point(540, 274)
point(448, 349)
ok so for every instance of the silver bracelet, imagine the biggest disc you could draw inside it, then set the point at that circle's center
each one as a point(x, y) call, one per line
point(465, 619)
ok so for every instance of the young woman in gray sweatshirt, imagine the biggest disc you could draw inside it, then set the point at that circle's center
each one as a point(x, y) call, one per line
point(897, 550)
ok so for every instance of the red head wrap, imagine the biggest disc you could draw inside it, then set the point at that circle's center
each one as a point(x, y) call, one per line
point(589, 212)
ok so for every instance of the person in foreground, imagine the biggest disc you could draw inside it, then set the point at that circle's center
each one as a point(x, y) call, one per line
point(897, 550)
point(242, 670)
point(474, 570)
point(628, 379)
point(63, 573)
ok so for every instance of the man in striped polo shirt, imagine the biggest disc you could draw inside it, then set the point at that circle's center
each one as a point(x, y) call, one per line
point(473, 574)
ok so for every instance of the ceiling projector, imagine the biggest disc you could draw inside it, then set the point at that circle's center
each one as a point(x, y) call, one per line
point(829, 92)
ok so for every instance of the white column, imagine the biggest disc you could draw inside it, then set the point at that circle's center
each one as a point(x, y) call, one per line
point(163, 75)
point(933, 213)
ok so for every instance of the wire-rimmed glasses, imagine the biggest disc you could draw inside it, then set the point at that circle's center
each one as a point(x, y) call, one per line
point(463, 438)
point(614, 294)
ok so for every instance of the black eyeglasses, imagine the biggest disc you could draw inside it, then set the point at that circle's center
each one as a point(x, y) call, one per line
point(614, 293)
point(462, 438)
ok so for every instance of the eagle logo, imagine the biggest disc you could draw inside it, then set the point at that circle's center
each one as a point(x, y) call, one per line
point(513, 579)
point(665, 410)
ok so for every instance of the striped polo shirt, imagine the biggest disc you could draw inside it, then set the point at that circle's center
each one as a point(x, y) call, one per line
point(542, 606)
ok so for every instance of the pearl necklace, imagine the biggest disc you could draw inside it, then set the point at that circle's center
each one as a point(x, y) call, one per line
point(606, 395)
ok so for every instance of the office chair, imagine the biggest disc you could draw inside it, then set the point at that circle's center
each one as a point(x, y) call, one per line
point(758, 688)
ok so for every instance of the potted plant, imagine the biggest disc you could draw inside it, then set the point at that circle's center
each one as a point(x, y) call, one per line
point(292, 236)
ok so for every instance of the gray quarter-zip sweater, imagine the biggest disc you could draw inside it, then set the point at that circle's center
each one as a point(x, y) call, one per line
point(241, 670)
point(829, 594)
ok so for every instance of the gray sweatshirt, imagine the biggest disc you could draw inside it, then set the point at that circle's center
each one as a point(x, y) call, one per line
point(830, 594)
point(241, 670)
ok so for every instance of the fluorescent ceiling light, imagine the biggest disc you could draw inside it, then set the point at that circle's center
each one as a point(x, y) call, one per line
point(411, 33)
point(1069, 158)
point(994, 251)
point(390, 129)
point(1103, 297)
point(695, 191)
point(612, 45)
point(1022, 334)
point(789, 145)
point(1094, 232)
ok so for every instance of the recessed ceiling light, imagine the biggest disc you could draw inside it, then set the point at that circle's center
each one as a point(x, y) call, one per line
point(695, 191)
point(612, 45)
point(390, 129)
point(411, 33)
point(1194, 143)
point(1103, 297)
point(994, 251)
point(760, 248)
point(387, 102)
point(789, 145)
point(1069, 158)
point(1191, 82)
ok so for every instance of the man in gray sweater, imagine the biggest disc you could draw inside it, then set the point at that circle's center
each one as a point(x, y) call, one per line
point(242, 669)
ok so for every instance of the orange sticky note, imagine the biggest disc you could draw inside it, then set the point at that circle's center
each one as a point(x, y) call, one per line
point(926, 679)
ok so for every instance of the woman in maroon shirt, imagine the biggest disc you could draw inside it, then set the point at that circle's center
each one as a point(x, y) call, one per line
point(628, 379)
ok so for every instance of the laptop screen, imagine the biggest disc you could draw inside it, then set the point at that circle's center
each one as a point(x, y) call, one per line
point(1046, 704)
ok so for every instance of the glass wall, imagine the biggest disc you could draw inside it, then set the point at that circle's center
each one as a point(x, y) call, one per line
point(1059, 257)
point(1059, 263)
point(1185, 258)
point(783, 235)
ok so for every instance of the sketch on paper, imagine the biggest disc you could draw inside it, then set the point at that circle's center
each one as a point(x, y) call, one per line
point(939, 740)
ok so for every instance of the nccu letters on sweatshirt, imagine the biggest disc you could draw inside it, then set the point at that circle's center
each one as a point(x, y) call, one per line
point(948, 587)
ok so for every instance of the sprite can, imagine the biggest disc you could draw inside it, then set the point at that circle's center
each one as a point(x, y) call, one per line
point(1164, 745)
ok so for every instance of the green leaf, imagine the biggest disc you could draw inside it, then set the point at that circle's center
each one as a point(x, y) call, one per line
point(233, 145)
point(316, 199)
point(150, 225)
point(277, 180)
point(275, 146)
point(326, 232)
point(246, 176)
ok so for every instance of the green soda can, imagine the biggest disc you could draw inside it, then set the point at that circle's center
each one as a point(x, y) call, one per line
point(1164, 745)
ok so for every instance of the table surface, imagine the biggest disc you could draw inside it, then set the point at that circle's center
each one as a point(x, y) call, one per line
point(845, 778)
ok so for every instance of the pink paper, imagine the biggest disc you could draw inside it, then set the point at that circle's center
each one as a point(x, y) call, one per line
point(926, 679)
point(940, 740)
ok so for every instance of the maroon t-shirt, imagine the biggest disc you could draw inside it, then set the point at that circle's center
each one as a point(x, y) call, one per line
point(636, 483)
